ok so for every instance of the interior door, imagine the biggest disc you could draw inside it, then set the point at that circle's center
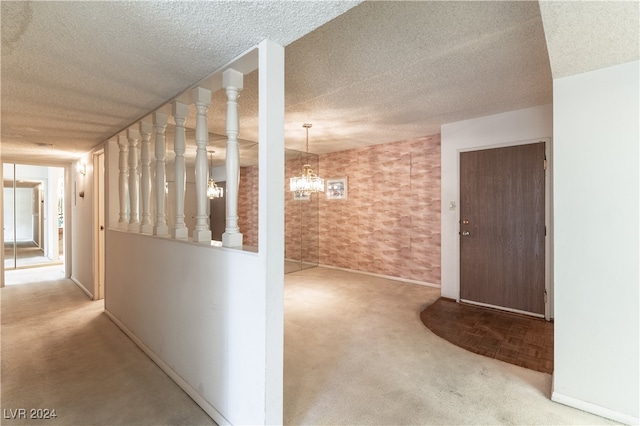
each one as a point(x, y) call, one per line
point(502, 227)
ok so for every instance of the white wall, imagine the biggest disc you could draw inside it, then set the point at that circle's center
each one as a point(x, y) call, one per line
point(82, 226)
point(510, 128)
point(200, 310)
point(52, 243)
point(596, 137)
point(22, 223)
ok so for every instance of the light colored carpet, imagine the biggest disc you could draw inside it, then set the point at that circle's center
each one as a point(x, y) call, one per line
point(59, 351)
point(28, 255)
point(33, 275)
point(356, 352)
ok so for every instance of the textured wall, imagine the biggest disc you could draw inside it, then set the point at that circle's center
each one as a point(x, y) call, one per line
point(248, 205)
point(390, 222)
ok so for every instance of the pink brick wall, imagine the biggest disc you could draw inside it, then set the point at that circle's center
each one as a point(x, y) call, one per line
point(248, 205)
point(390, 222)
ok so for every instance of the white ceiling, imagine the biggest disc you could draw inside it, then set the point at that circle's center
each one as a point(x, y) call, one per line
point(76, 73)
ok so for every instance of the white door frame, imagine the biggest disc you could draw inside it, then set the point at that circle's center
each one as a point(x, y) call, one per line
point(99, 227)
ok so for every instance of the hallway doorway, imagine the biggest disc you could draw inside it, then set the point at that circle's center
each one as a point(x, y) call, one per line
point(33, 218)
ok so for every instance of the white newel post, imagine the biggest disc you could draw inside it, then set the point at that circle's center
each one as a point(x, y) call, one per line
point(179, 230)
point(232, 81)
point(145, 179)
point(134, 181)
point(123, 187)
point(202, 99)
point(160, 124)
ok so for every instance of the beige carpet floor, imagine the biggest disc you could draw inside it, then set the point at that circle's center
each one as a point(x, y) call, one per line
point(59, 351)
point(28, 255)
point(356, 352)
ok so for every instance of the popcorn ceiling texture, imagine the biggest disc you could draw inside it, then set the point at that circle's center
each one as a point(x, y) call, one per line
point(75, 73)
point(581, 37)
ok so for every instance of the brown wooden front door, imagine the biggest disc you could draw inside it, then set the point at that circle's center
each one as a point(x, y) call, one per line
point(502, 227)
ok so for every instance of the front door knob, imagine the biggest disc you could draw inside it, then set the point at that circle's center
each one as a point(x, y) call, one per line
point(465, 233)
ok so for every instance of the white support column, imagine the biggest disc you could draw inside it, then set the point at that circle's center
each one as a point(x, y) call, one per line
point(134, 181)
point(232, 81)
point(160, 124)
point(179, 230)
point(123, 186)
point(145, 179)
point(202, 100)
point(271, 219)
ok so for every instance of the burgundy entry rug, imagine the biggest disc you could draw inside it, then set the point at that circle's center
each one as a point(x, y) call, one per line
point(513, 338)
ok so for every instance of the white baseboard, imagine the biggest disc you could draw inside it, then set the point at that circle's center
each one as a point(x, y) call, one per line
point(82, 287)
point(594, 409)
point(208, 408)
point(388, 277)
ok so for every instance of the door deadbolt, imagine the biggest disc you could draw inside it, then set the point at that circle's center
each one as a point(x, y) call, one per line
point(465, 222)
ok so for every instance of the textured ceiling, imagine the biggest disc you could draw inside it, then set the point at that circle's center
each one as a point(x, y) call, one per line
point(388, 71)
point(75, 73)
point(587, 35)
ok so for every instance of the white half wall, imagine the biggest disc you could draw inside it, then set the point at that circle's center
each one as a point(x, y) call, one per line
point(509, 128)
point(213, 317)
point(597, 194)
point(201, 311)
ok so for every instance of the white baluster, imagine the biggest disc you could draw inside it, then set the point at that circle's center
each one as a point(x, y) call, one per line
point(202, 99)
point(145, 179)
point(123, 187)
point(160, 124)
point(134, 181)
point(232, 81)
point(179, 230)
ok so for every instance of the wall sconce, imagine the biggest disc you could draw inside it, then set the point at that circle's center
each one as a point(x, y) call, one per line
point(82, 168)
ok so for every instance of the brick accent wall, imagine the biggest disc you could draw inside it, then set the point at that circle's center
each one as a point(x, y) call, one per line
point(390, 222)
point(248, 205)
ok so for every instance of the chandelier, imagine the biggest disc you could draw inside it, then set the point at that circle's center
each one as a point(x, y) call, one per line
point(308, 181)
point(213, 190)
